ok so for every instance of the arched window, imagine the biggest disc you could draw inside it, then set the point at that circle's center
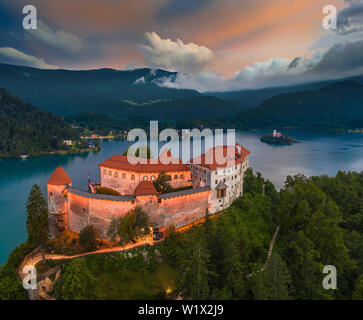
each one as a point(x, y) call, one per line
point(176, 177)
point(110, 173)
point(116, 174)
point(145, 178)
point(132, 177)
point(124, 176)
point(152, 178)
point(182, 176)
point(105, 172)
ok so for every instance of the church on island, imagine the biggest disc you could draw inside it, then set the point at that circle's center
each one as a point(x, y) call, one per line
point(200, 186)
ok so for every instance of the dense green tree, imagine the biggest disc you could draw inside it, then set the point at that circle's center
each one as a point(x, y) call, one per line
point(162, 183)
point(273, 283)
point(87, 238)
point(37, 218)
point(77, 282)
point(129, 227)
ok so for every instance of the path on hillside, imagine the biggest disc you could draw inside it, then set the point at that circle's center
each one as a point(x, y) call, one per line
point(35, 256)
point(272, 242)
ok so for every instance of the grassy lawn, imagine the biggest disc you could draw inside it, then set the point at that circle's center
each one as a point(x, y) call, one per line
point(137, 285)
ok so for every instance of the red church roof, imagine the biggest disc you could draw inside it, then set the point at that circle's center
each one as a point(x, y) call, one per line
point(121, 163)
point(145, 188)
point(59, 177)
point(209, 160)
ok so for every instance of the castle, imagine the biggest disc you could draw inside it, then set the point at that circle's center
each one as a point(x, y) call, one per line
point(212, 188)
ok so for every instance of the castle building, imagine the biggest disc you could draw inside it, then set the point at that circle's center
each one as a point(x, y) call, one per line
point(212, 188)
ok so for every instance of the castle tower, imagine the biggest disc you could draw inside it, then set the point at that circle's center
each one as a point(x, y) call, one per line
point(57, 201)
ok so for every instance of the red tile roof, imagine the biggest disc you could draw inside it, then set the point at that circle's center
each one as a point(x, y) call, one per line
point(59, 177)
point(209, 160)
point(121, 163)
point(145, 188)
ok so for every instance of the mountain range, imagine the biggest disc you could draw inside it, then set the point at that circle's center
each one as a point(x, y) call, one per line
point(119, 94)
point(137, 94)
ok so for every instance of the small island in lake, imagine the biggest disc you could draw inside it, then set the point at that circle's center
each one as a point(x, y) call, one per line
point(277, 138)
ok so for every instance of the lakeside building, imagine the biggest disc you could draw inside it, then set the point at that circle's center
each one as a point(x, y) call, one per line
point(212, 188)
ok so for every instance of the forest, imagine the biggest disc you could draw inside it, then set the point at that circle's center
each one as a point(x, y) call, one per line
point(25, 129)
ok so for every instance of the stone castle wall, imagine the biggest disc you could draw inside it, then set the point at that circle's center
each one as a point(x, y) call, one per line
point(84, 209)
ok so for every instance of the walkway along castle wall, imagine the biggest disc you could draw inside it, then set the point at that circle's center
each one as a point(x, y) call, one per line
point(178, 208)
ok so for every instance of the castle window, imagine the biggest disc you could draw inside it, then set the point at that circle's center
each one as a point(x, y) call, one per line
point(124, 176)
point(110, 173)
point(182, 176)
point(105, 172)
point(51, 193)
point(216, 181)
point(152, 178)
point(221, 193)
point(145, 178)
point(176, 177)
point(132, 177)
point(169, 176)
point(116, 174)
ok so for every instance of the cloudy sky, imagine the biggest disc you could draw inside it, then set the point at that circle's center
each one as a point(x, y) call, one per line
point(213, 44)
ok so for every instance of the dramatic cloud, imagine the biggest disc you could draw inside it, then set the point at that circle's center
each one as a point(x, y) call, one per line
point(350, 18)
point(341, 60)
point(176, 56)
point(59, 39)
point(13, 56)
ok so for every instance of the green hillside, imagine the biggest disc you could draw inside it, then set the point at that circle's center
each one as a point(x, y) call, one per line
point(337, 107)
point(26, 129)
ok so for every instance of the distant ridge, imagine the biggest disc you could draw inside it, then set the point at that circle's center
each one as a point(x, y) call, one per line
point(337, 107)
point(118, 94)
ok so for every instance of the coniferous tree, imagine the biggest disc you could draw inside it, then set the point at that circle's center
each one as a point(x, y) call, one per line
point(37, 218)
point(274, 283)
point(194, 281)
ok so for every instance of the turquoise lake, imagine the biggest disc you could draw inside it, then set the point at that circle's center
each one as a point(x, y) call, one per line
point(315, 154)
